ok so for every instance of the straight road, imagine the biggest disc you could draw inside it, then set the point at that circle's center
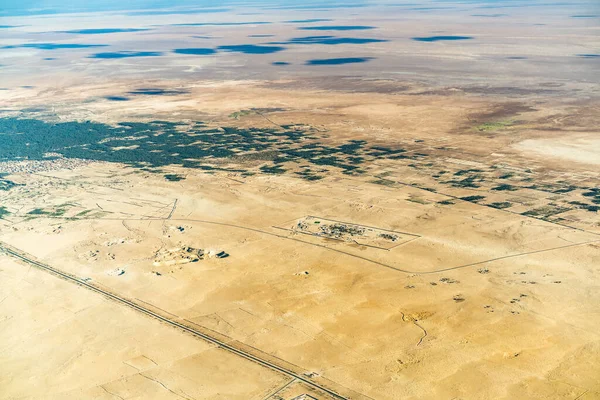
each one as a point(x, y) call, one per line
point(232, 348)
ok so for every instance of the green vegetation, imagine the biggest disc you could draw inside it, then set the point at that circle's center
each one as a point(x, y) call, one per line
point(494, 126)
point(83, 213)
point(309, 175)
point(507, 175)
point(37, 211)
point(594, 193)
point(384, 182)
point(473, 199)
point(466, 171)
point(585, 206)
point(505, 187)
point(53, 212)
point(418, 200)
point(380, 151)
point(58, 212)
point(566, 189)
point(174, 177)
point(242, 113)
point(501, 205)
point(6, 185)
point(555, 188)
point(156, 144)
point(275, 169)
point(439, 174)
point(353, 147)
point(446, 202)
point(469, 182)
point(151, 170)
point(545, 212)
point(3, 212)
point(253, 111)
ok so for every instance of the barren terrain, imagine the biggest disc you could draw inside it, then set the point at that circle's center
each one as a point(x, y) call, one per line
point(296, 236)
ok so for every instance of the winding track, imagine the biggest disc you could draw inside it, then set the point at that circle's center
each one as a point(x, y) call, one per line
point(4, 247)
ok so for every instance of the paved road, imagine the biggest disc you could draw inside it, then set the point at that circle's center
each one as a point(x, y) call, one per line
point(22, 256)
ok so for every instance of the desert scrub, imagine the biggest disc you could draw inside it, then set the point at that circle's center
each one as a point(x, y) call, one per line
point(494, 126)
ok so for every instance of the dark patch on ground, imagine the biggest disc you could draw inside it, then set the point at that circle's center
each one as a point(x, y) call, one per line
point(501, 115)
point(280, 63)
point(196, 145)
point(500, 205)
point(585, 206)
point(503, 111)
point(545, 212)
point(505, 187)
point(52, 212)
point(6, 185)
point(159, 143)
point(473, 199)
point(299, 150)
point(174, 177)
point(3, 212)
point(272, 169)
point(471, 181)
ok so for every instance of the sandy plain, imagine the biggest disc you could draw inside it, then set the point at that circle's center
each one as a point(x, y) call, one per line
point(482, 302)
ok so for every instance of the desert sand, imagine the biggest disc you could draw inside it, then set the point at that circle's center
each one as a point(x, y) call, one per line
point(296, 236)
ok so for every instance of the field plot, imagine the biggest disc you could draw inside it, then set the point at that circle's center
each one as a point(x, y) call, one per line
point(348, 232)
